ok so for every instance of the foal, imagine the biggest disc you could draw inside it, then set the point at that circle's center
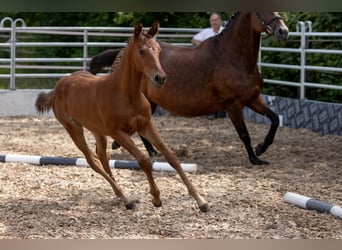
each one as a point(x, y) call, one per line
point(113, 105)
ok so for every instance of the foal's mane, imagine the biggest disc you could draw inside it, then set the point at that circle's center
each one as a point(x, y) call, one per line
point(117, 60)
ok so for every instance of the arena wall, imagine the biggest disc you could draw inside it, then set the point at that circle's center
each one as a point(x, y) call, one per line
point(19, 102)
point(321, 117)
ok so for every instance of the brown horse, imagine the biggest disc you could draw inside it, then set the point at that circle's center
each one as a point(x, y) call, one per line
point(220, 74)
point(113, 105)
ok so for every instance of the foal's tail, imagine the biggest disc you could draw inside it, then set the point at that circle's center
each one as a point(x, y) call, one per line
point(43, 102)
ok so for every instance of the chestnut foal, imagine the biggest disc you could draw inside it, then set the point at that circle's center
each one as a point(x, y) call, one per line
point(113, 105)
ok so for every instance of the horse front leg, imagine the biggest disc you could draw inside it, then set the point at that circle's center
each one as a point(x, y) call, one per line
point(152, 135)
point(260, 107)
point(149, 147)
point(143, 161)
point(236, 116)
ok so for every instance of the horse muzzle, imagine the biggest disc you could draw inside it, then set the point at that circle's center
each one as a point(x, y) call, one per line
point(281, 33)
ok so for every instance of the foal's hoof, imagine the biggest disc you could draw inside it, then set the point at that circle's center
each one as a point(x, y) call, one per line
point(257, 161)
point(130, 205)
point(157, 203)
point(204, 208)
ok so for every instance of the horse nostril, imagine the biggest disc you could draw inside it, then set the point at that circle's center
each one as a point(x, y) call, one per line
point(283, 33)
point(160, 79)
point(157, 78)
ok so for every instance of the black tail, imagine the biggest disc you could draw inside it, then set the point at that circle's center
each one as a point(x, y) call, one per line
point(104, 59)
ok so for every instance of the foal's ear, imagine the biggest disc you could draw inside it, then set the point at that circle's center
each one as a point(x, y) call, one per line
point(138, 29)
point(154, 28)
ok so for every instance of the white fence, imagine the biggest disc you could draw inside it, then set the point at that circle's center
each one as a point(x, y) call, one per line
point(16, 39)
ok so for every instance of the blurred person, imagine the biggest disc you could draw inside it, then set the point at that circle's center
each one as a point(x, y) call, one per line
point(215, 28)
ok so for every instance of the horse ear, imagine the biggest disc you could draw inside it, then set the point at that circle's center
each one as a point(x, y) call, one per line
point(154, 29)
point(138, 29)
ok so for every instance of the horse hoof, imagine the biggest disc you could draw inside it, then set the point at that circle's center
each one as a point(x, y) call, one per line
point(157, 203)
point(259, 149)
point(130, 205)
point(257, 161)
point(115, 145)
point(205, 208)
point(152, 153)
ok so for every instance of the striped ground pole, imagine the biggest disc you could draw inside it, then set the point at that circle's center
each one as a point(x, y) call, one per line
point(121, 164)
point(312, 204)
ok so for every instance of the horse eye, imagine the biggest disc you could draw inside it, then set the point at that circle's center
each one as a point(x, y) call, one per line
point(141, 52)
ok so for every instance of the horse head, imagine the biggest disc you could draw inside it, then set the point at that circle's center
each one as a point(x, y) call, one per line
point(271, 23)
point(147, 54)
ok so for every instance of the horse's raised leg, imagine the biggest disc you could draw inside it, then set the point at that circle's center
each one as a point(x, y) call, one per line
point(260, 107)
point(236, 115)
point(151, 134)
point(75, 131)
point(150, 149)
point(143, 161)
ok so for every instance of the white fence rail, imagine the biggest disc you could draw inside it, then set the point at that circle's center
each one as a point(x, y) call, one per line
point(16, 40)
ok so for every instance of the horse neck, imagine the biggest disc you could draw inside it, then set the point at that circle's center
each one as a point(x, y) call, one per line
point(126, 76)
point(240, 41)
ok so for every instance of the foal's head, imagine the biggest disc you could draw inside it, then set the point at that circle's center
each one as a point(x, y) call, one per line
point(146, 53)
point(271, 23)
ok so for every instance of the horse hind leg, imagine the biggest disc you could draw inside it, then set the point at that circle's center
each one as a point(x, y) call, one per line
point(236, 116)
point(260, 107)
point(75, 131)
point(150, 149)
point(101, 150)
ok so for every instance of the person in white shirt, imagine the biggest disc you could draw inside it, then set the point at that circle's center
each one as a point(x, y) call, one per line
point(216, 28)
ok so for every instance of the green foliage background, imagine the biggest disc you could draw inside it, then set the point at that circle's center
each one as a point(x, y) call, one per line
point(322, 22)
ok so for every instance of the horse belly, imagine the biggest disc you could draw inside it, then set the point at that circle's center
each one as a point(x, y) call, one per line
point(186, 99)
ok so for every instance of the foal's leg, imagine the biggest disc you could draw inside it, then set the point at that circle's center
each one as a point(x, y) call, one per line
point(260, 107)
point(152, 135)
point(150, 149)
point(143, 161)
point(101, 151)
point(75, 131)
point(236, 115)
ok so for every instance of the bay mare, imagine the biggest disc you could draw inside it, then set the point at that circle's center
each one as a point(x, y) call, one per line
point(220, 74)
point(113, 105)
